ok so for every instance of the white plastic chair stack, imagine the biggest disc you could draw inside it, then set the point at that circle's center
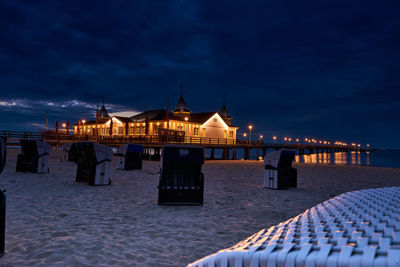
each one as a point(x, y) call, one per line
point(104, 155)
point(43, 150)
point(66, 148)
point(360, 228)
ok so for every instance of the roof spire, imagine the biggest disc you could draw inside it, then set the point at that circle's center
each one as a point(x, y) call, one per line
point(224, 112)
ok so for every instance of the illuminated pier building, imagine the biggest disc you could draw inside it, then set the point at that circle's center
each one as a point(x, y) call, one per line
point(160, 123)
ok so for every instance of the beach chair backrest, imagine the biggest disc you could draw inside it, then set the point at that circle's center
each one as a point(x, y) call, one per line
point(29, 148)
point(102, 153)
point(181, 165)
point(134, 148)
point(286, 158)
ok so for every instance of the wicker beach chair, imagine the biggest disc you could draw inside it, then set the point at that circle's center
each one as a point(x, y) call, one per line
point(34, 157)
point(278, 169)
point(130, 157)
point(94, 163)
point(181, 181)
point(360, 228)
point(3, 157)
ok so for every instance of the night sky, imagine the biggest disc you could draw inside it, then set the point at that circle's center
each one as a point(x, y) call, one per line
point(328, 69)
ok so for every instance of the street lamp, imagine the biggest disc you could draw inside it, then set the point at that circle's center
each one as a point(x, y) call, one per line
point(274, 138)
point(250, 127)
point(83, 121)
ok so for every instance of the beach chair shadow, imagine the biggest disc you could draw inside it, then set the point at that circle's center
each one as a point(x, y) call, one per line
point(181, 181)
point(34, 157)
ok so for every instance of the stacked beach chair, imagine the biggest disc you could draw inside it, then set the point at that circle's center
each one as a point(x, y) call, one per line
point(130, 157)
point(360, 228)
point(278, 169)
point(181, 181)
point(94, 162)
point(3, 158)
point(34, 157)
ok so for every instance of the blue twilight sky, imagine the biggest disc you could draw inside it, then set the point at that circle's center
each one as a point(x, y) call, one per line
point(323, 69)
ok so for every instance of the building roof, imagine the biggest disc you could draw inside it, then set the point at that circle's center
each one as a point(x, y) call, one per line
point(155, 115)
point(201, 117)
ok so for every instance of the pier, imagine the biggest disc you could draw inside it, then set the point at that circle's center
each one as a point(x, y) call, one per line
point(152, 144)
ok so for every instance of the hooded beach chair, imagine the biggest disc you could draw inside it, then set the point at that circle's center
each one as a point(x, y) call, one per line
point(181, 181)
point(355, 229)
point(3, 156)
point(66, 148)
point(278, 169)
point(34, 157)
point(94, 163)
point(130, 157)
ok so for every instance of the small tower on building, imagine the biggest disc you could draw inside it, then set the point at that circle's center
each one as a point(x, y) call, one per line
point(103, 112)
point(224, 114)
point(181, 109)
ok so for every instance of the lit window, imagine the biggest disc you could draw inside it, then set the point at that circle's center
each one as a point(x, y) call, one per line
point(196, 131)
point(230, 134)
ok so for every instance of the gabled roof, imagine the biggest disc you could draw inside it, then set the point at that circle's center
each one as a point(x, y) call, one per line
point(201, 117)
point(155, 115)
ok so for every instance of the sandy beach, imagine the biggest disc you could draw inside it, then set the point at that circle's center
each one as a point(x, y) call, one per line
point(52, 220)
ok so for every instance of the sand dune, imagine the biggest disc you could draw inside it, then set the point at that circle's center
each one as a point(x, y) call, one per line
point(52, 220)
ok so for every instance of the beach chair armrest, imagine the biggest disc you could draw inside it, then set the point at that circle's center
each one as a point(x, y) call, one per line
point(101, 161)
point(44, 154)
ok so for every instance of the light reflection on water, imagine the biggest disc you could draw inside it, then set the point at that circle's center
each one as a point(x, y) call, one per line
point(348, 158)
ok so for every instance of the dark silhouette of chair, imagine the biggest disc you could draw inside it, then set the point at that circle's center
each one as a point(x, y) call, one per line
point(130, 157)
point(93, 163)
point(3, 157)
point(181, 181)
point(34, 157)
point(278, 169)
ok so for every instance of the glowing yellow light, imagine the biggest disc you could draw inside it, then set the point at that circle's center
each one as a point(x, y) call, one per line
point(297, 139)
point(64, 125)
point(245, 134)
point(83, 121)
point(285, 138)
point(186, 118)
point(261, 136)
point(274, 137)
point(250, 127)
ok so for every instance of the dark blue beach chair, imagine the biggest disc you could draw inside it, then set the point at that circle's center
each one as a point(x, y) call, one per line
point(3, 157)
point(130, 157)
point(181, 181)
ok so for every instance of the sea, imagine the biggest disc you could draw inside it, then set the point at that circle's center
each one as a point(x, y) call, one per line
point(378, 158)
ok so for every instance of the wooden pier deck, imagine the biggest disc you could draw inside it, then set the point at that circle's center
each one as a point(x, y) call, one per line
point(229, 147)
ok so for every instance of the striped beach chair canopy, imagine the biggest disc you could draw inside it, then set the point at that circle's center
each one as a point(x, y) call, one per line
point(360, 228)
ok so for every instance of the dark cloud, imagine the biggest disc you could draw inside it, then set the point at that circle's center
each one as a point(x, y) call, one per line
point(326, 69)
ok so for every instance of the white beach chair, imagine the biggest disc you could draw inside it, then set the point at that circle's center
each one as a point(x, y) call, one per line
point(66, 147)
point(278, 169)
point(360, 228)
point(94, 163)
point(34, 156)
